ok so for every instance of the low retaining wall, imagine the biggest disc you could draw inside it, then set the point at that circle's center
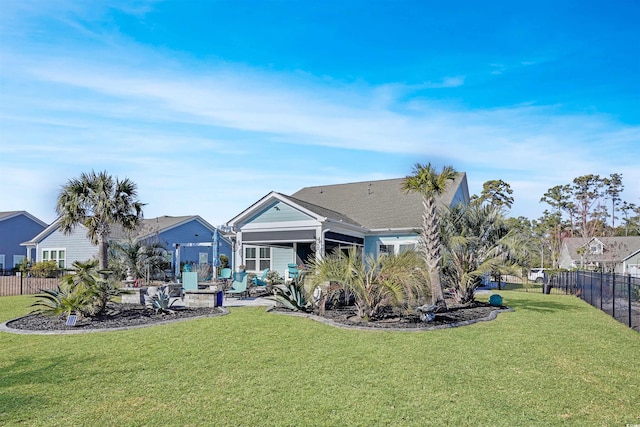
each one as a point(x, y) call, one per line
point(131, 295)
point(203, 298)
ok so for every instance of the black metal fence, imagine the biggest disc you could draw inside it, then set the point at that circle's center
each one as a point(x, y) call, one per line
point(24, 283)
point(616, 294)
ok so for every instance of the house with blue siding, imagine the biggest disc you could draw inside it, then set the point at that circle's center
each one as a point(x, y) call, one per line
point(15, 228)
point(377, 216)
point(187, 238)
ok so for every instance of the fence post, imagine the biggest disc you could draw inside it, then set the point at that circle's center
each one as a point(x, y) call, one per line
point(21, 279)
point(601, 278)
point(613, 299)
point(629, 296)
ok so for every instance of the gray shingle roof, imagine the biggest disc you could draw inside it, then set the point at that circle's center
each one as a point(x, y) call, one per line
point(322, 211)
point(615, 248)
point(372, 204)
point(11, 214)
point(4, 215)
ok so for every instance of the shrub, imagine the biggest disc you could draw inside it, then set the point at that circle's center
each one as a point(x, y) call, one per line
point(44, 269)
point(62, 301)
point(376, 284)
point(84, 292)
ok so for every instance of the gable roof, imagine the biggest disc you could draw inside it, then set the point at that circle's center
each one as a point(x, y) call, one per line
point(150, 226)
point(322, 211)
point(10, 214)
point(376, 205)
point(615, 248)
point(147, 227)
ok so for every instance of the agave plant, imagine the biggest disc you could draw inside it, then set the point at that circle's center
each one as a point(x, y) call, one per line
point(291, 296)
point(161, 301)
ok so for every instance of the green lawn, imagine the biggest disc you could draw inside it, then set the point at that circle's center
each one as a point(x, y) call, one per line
point(554, 361)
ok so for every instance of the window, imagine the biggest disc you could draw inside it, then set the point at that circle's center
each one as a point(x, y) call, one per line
point(595, 248)
point(386, 250)
point(407, 247)
point(257, 258)
point(17, 260)
point(56, 255)
point(1, 262)
point(396, 248)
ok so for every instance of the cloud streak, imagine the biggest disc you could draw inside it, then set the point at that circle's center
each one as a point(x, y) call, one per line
point(161, 123)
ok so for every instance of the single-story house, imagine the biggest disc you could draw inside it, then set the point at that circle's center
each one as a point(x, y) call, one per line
point(15, 228)
point(189, 239)
point(377, 216)
point(613, 254)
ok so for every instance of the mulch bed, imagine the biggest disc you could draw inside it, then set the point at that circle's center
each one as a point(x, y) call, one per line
point(126, 315)
point(457, 315)
point(118, 316)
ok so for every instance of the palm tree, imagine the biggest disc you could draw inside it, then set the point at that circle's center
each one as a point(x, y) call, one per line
point(430, 184)
point(376, 283)
point(477, 242)
point(140, 258)
point(98, 201)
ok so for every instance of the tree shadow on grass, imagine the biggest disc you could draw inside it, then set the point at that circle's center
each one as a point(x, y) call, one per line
point(16, 403)
point(550, 306)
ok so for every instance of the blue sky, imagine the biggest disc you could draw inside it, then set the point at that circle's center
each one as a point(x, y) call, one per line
point(210, 105)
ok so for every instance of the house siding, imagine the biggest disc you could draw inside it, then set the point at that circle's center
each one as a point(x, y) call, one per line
point(632, 265)
point(14, 231)
point(372, 243)
point(77, 246)
point(192, 231)
point(278, 212)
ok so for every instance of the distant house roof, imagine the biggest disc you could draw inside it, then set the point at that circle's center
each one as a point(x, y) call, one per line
point(375, 205)
point(615, 248)
point(147, 227)
point(10, 214)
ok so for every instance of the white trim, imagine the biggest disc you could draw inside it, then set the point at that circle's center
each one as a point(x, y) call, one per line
point(57, 258)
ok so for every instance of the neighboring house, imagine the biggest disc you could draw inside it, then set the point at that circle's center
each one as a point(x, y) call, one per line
point(187, 238)
point(612, 254)
point(15, 228)
point(374, 215)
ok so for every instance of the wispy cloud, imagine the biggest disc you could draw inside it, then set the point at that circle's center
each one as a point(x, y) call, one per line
point(247, 131)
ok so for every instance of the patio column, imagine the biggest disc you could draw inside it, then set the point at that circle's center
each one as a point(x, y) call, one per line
point(319, 242)
point(239, 256)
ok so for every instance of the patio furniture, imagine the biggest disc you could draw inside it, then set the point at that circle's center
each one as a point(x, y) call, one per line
point(225, 276)
point(190, 280)
point(293, 271)
point(239, 285)
point(261, 281)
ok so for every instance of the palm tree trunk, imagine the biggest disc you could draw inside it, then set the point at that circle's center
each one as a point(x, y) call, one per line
point(431, 240)
point(103, 252)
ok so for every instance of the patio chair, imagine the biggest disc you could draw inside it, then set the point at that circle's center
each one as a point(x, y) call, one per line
point(293, 271)
point(239, 285)
point(190, 281)
point(225, 276)
point(261, 281)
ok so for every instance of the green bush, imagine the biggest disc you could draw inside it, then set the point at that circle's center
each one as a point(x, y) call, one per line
point(44, 269)
point(84, 292)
